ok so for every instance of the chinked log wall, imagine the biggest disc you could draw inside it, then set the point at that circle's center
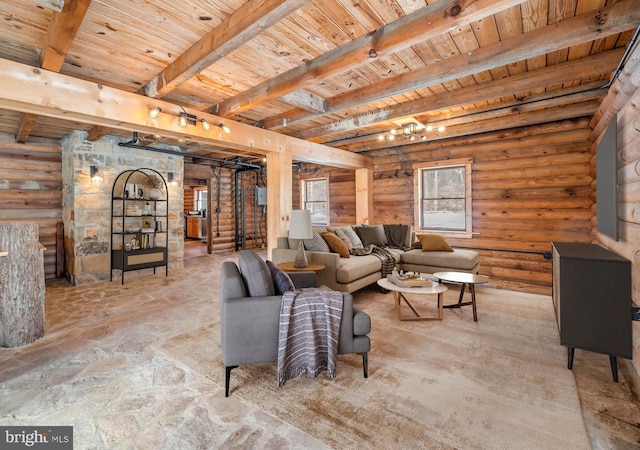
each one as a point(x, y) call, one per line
point(223, 224)
point(31, 191)
point(531, 186)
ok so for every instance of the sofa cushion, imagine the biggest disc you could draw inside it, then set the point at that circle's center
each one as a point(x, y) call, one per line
point(256, 274)
point(336, 244)
point(458, 259)
point(357, 267)
point(316, 244)
point(381, 232)
point(370, 235)
point(434, 243)
point(348, 235)
point(397, 253)
point(281, 280)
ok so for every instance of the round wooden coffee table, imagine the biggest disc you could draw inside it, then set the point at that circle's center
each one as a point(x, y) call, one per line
point(463, 278)
point(398, 296)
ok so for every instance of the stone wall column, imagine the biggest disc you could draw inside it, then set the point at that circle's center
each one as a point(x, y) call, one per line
point(87, 206)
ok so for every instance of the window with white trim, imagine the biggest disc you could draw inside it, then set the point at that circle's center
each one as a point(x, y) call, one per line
point(443, 197)
point(315, 198)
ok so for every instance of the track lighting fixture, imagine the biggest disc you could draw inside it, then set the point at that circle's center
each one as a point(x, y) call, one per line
point(225, 128)
point(186, 119)
point(155, 112)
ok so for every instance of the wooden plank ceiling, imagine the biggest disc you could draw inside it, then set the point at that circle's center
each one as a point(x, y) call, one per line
point(337, 72)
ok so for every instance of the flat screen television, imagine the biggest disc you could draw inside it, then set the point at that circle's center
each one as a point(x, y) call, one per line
point(607, 182)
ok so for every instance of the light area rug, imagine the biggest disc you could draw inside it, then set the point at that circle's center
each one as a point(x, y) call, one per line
point(499, 383)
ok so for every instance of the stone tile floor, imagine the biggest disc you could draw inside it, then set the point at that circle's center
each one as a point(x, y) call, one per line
point(96, 368)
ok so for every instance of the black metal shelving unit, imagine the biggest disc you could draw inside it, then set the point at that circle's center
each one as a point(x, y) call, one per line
point(139, 223)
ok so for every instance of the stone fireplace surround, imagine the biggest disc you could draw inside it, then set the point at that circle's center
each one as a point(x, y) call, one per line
point(86, 206)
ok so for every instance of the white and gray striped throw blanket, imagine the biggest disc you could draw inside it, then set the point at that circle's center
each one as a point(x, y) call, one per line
point(308, 335)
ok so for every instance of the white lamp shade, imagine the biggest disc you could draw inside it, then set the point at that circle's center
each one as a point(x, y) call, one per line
point(300, 227)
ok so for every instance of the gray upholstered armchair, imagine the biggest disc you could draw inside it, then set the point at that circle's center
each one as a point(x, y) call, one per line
point(250, 315)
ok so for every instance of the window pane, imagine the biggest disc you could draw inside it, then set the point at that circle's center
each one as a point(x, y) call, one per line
point(315, 200)
point(316, 190)
point(446, 214)
point(318, 213)
point(443, 183)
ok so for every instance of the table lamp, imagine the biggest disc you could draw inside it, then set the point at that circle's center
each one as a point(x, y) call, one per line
point(300, 228)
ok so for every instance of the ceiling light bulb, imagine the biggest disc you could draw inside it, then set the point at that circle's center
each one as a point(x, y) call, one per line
point(155, 112)
point(182, 122)
point(157, 137)
point(393, 131)
point(381, 137)
point(392, 137)
point(412, 138)
point(205, 125)
point(225, 128)
point(429, 128)
point(424, 138)
point(441, 128)
point(180, 141)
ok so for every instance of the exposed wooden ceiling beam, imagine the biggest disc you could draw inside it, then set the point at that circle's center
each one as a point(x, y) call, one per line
point(506, 121)
point(566, 96)
point(248, 21)
point(46, 93)
point(61, 33)
point(426, 23)
point(622, 16)
point(513, 85)
point(306, 100)
point(24, 129)
point(62, 30)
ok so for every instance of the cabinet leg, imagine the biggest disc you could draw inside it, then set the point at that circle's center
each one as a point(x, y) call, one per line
point(570, 351)
point(614, 367)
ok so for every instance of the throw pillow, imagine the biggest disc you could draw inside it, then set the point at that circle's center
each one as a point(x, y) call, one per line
point(369, 235)
point(336, 244)
point(434, 243)
point(381, 232)
point(349, 237)
point(316, 244)
point(256, 274)
point(281, 280)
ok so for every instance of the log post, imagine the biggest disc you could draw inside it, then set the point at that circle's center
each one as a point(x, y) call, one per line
point(22, 288)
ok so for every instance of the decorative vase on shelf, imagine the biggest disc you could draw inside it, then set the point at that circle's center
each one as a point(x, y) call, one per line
point(155, 194)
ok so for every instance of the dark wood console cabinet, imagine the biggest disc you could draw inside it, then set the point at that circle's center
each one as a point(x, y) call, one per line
point(592, 300)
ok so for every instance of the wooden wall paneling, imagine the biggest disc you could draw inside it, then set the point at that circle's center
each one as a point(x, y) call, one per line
point(31, 191)
point(530, 186)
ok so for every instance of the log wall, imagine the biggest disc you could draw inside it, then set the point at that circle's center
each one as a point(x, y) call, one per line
point(624, 100)
point(223, 224)
point(342, 189)
point(31, 191)
point(531, 186)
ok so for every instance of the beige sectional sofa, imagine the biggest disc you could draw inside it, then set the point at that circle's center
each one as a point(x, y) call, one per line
point(356, 272)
